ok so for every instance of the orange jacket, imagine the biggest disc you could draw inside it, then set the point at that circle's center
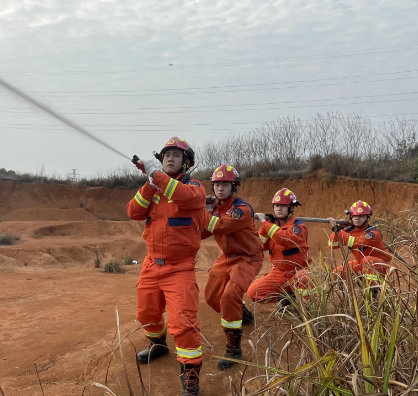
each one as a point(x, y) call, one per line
point(232, 224)
point(287, 245)
point(363, 241)
point(173, 216)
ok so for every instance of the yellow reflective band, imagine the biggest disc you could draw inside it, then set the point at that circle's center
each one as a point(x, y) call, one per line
point(156, 335)
point(354, 204)
point(332, 243)
point(350, 242)
point(156, 199)
point(272, 230)
point(364, 204)
point(304, 292)
point(141, 200)
point(189, 353)
point(171, 186)
point(287, 192)
point(212, 223)
point(263, 239)
point(371, 277)
point(231, 325)
point(229, 168)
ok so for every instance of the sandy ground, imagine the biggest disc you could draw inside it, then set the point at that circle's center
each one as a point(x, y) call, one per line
point(59, 312)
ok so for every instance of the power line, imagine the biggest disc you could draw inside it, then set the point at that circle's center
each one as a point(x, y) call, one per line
point(229, 105)
point(228, 64)
point(363, 118)
point(232, 91)
point(230, 86)
point(230, 110)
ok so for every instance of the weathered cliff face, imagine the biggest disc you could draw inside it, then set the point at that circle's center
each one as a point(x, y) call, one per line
point(320, 197)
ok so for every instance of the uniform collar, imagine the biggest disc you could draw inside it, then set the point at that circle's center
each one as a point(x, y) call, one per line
point(225, 203)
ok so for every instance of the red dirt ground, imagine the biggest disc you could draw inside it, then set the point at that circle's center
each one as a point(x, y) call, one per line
point(59, 311)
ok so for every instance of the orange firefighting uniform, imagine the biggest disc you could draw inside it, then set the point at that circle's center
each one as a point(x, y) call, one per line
point(289, 256)
point(232, 224)
point(173, 224)
point(366, 244)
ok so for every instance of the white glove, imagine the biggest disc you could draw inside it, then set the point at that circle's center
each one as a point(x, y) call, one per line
point(150, 167)
point(151, 179)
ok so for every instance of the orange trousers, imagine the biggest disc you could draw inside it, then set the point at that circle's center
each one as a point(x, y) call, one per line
point(228, 280)
point(174, 286)
point(370, 266)
point(273, 286)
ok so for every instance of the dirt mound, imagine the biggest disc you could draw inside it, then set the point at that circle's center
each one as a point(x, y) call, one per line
point(50, 214)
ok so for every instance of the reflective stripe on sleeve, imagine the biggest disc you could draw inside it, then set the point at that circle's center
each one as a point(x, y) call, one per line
point(303, 292)
point(237, 324)
point(272, 230)
point(141, 200)
point(171, 187)
point(156, 199)
point(212, 223)
point(263, 238)
point(156, 335)
point(371, 277)
point(330, 243)
point(350, 242)
point(189, 353)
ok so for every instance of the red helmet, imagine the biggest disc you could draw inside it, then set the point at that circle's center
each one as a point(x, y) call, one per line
point(226, 173)
point(181, 144)
point(285, 197)
point(360, 208)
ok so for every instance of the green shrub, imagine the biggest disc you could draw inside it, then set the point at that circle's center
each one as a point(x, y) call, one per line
point(8, 239)
point(114, 267)
point(127, 259)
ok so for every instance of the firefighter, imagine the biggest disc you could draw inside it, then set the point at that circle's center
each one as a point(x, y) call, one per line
point(231, 221)
point(172, 206)
point(285, 238)
point(365, 243)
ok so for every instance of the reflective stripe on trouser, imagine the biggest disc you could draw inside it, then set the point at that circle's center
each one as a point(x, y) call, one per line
point(369, 265)
point(228, 280)
point(173, 286)
point(273, 286)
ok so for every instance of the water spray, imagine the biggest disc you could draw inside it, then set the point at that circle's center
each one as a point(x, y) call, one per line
point(65, 120)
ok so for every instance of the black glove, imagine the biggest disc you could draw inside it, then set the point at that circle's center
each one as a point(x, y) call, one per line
point(337, 228)
point(270, 217)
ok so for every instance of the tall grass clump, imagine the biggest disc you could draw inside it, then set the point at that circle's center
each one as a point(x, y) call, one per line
point(114, 267)
point(344, 337)
point(8, 239)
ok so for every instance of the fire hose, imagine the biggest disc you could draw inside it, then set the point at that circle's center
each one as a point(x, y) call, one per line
point(342, 222)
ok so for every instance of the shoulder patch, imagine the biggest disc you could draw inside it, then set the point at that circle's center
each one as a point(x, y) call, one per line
point(194, 183)
point(237, 213)
point(369, 235)
point(296, 229)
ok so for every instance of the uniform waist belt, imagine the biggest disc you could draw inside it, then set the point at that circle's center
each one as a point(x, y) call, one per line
point(235, 255)
point(169, 261)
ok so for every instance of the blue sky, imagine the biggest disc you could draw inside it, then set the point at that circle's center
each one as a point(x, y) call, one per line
point(135, 73)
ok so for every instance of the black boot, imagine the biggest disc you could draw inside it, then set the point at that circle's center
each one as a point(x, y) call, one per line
point(285, 301)
point(232, 348)
point(157, 348)
point(247, 316)
point(190, 379)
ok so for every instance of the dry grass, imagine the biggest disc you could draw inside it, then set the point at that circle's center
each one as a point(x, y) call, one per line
point(8, 239)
